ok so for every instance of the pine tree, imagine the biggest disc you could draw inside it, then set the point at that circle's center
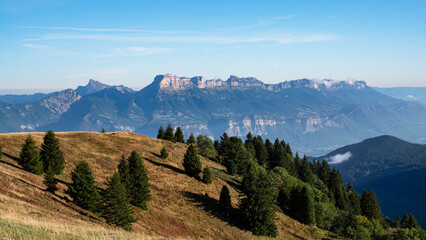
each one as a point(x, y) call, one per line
point(168, 135)
point(302, 206)
point(191, 162)
point(412, 222)
point(103, 130)
point(191, 139)
point(354, 201)
point(257, 208)
point(83, 188)
point(29, 158)
point(305, 173)
point(50, 180)
point(51, 154)
point(123, 171)
point(116, 209)
point(140, 193)
point(405, 223)
point(205, 147)
point(261, 151)
point(160, 134)
point(207, 176)
point(337, 189)
point(164, 154)
point(369, 205)
point(231, 167)
point(179, 135)
point(225, 199)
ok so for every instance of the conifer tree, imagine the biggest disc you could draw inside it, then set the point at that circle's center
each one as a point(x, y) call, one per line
point(412, 222)
point(160, 134)
point(83, 188)
point(191, 139)
point(191, 162)
point(405, 223)
point(124, 172)
point(302, 206)
point(178, 137)
point(231, 167)
point(116, 209)
point(50, 180)
point(51, 154)
point(354, 201)
point(103, 130)
point(369, 205)
point(29, 158)
point(337, 189)
point(205, 147)
point(207, 176)
point(305, 173)
point(168, 135)
point(225, 199)
point(257, 207)
point(140, 193)
point(164, 154)
point(261, 151)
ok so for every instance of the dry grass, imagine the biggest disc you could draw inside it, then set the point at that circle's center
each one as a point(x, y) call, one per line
point(179, 207)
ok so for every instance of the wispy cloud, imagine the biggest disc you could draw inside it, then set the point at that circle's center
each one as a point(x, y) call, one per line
point(199, 38)
point(35, 46)
point(108, 30)
point(339, 158)
point(134, 51)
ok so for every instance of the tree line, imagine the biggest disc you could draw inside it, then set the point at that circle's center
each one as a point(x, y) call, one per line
point(310, 192)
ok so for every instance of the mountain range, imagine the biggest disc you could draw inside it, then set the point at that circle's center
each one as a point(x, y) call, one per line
point(314, 116)
point(393, 168)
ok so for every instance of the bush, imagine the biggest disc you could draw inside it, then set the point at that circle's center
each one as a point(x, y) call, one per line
point(164, 154)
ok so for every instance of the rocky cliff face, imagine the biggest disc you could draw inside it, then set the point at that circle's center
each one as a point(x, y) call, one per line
point(171, 82)
point(60, 102)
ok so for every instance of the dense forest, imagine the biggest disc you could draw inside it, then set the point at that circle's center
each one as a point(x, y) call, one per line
point(272, 178)
point(275, 179)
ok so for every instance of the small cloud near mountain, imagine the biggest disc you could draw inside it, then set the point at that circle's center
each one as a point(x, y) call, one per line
point(339, 158)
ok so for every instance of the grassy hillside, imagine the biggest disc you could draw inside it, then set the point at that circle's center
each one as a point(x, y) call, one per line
point(181, 207)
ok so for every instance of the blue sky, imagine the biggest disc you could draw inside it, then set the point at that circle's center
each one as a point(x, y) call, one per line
point(61, 44)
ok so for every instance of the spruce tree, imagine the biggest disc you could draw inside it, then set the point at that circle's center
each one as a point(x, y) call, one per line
point(302, 206)
point(205, 147)
point(257, 207)
point(123, 171)
point(207, 176)
point(305, 173)
point(160, 134)
point(191, 162)
point(369, 205)
point(83, 188)
point(231, 167)
point(354, 202)
point(116, 207)
point(225, 199)
point(261, 151)
point(405, 223)
point(50, 180)
point(29, 158)
point(140, 193)
point(164, 154)
point(168, 135)
point(51, 154)
point(178, 137)
point(191, 139)
point(103, 130)
point(412, 222)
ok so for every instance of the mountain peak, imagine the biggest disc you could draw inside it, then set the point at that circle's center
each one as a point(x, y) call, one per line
point(92, 87)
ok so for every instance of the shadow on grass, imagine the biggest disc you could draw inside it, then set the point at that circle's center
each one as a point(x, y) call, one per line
point(212, 206)
point(178, 170)
point(232, 181)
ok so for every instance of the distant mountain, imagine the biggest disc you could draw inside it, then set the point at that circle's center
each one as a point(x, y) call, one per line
point(29, 117)
point(393, 168)
point(94, 86)
point(27, 98)
point(314, 116)
point(417, 94)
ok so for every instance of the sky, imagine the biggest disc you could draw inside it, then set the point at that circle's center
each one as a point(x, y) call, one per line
point(62, 44)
